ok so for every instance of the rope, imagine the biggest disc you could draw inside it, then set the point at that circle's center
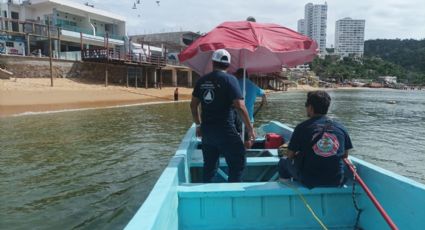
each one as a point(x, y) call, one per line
point(306, 205)
point(369, 193)
point(356, 206)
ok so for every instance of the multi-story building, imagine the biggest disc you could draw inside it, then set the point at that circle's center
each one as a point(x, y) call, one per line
point(71, 20)
point(301, 26)
point(315, 21)
point(172, 42)
point(349, 37)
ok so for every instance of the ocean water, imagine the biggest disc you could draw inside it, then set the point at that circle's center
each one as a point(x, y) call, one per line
point(93, 169)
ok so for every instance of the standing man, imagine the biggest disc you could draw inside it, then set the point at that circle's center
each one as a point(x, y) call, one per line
point(219, 95)
point(317, 147)
point(252, 91)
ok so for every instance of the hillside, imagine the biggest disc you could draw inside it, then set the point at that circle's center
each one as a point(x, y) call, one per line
point(402, 58)
point(410, 54)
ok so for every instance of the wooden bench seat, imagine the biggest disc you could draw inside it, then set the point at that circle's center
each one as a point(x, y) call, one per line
point(197, 159)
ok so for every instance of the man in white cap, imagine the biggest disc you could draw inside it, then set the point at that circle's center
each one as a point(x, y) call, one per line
point(219, 95)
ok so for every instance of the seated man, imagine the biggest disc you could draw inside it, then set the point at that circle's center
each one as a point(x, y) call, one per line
point(317, 147)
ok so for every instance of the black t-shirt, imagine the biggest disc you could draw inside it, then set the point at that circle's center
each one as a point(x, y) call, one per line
point(216, 91)
point(321, 143)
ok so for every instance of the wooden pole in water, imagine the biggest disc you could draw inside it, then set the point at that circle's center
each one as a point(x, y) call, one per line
point(369, 193)
point(50, 51)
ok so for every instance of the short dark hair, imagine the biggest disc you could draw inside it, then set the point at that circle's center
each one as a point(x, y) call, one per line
point(319, 100)
point(220, 65)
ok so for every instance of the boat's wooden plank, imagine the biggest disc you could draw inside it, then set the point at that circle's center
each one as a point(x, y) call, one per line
point(254, 189)
point(198, 161)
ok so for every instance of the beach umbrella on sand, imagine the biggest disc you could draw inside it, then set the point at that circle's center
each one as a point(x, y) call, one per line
point(256, 47)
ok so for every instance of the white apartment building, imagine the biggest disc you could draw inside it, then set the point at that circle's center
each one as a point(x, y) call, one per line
point(72, 18)
point(349, 37)
point(315, 23)
point(301, 26)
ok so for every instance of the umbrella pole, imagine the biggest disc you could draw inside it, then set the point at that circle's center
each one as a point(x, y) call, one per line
point(244, 95)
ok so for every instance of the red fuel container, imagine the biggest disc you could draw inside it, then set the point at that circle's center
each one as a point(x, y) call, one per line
point(273, 141)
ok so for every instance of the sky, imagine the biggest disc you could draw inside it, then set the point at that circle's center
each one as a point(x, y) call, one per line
point(386, 19)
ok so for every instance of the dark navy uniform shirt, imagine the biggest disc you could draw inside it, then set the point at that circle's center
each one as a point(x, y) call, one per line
point(320, 143)
point(216, 91)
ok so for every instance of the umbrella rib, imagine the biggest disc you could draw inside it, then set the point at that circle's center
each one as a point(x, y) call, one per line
point(255, 34)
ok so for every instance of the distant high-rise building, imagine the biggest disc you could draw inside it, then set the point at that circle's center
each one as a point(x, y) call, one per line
point(315, 18)
point(349, 37)
point(301, 26)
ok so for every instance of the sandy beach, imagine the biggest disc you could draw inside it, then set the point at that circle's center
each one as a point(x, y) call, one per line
point(25, 95)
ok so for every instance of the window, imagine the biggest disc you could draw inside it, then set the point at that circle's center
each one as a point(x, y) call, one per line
point(10, 44)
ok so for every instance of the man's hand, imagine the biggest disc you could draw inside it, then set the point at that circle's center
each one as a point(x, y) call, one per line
point(248, 144)
point(194, 104)
point(239, 105)
point(290, 154)
point(251, 133)
point(198, 131)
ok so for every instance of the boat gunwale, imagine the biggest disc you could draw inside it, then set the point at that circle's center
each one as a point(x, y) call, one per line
point(175, 179)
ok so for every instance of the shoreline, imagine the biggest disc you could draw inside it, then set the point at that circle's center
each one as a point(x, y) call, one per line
point(28, 96)
point(35, 96)
point(93, 108)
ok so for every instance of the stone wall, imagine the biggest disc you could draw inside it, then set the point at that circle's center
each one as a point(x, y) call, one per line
point(35, 67)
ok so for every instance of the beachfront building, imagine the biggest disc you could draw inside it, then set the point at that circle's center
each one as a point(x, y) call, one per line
point(349, 37)
point(315, 23)
point(71, 21)
point(301, 26)
point(171, 42)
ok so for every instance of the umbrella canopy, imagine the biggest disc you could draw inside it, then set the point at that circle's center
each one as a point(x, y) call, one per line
point(257, 47)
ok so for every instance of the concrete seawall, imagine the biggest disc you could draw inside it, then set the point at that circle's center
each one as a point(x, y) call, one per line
point(35, 67)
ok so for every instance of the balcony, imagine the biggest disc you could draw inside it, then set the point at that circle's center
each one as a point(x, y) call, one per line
point(74, 31)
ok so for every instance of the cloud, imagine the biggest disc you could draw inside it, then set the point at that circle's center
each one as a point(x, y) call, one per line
point(384, 18)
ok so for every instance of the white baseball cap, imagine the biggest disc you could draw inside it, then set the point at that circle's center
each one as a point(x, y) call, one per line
point(222, 56)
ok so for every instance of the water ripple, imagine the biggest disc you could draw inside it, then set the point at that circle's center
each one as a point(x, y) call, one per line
point(92, 169)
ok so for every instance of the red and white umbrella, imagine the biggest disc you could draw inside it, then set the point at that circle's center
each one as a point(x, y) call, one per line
point(256, 47)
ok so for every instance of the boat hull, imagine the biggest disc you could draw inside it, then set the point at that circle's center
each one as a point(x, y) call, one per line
point(179, 201)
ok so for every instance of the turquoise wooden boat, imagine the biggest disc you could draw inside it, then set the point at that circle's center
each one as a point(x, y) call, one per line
point(180, 201)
